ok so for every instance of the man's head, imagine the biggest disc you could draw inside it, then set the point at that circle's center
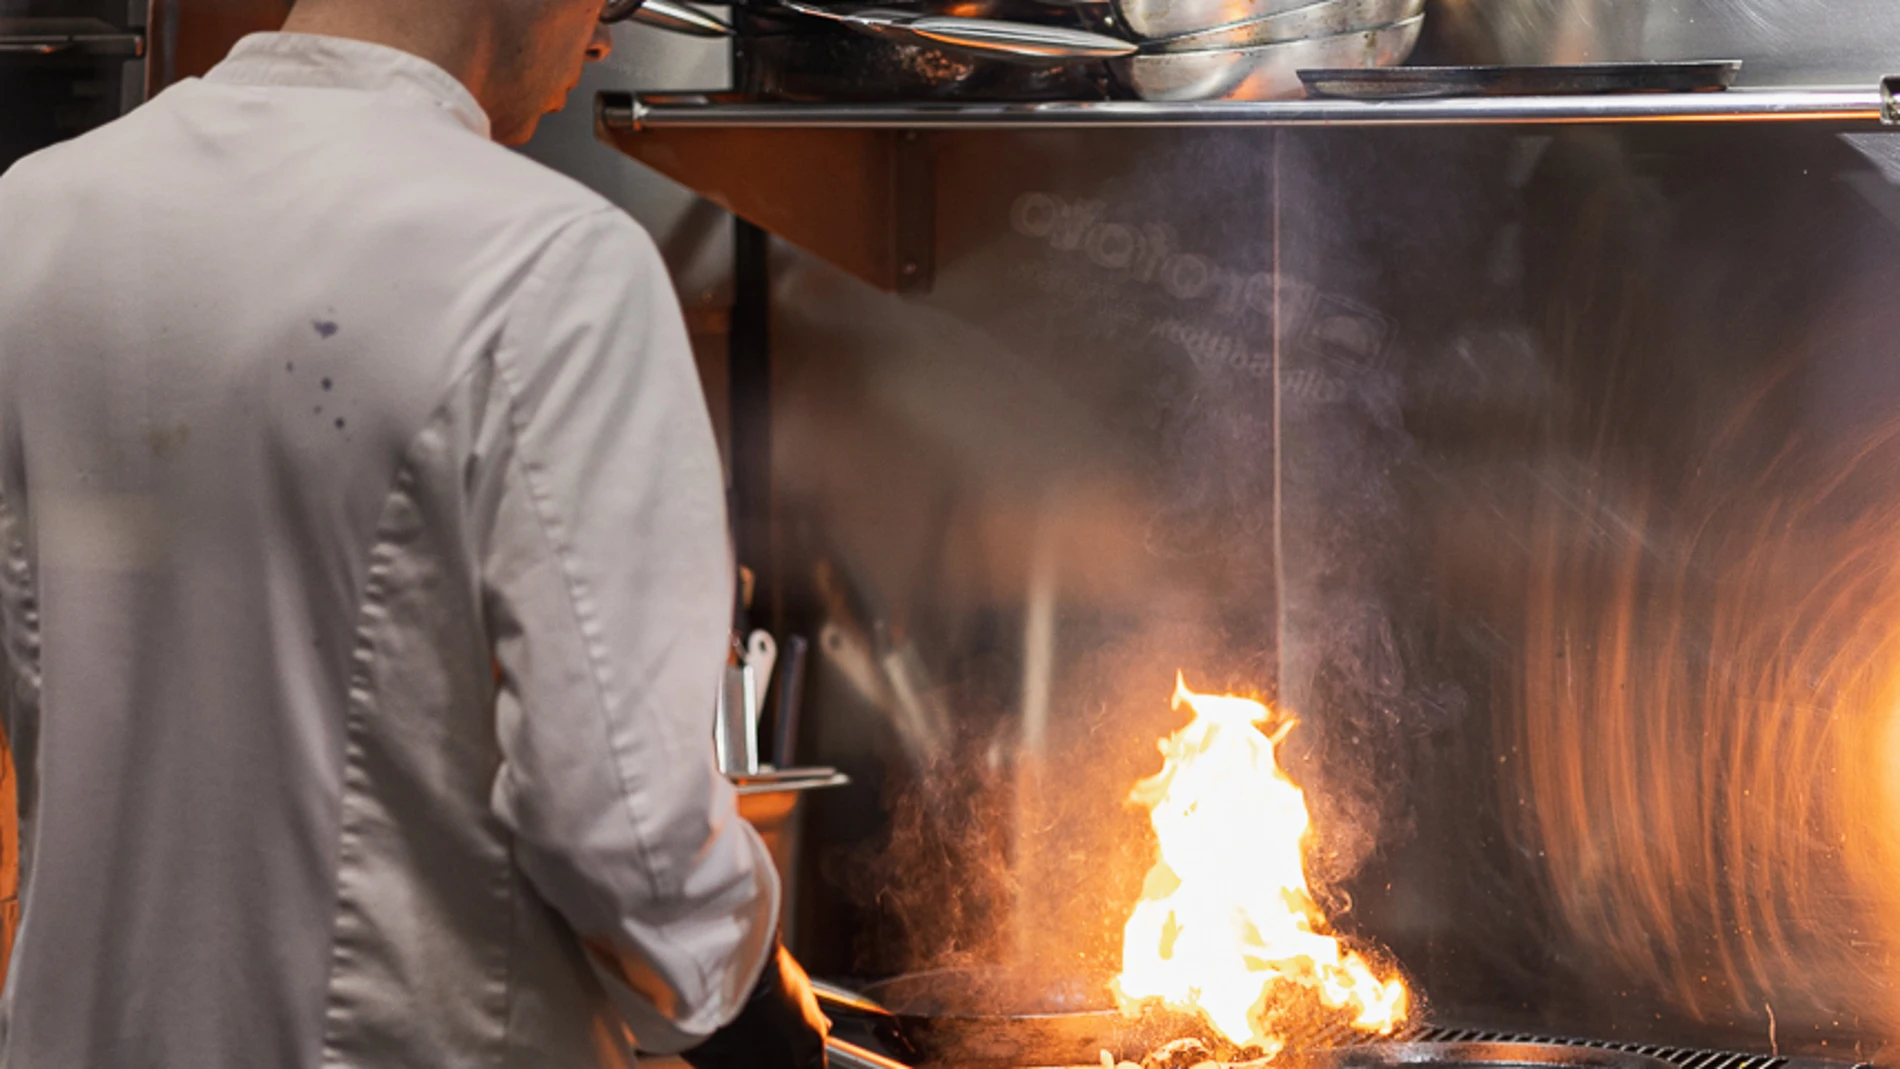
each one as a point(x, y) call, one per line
point(539, 64)
point(520, 58)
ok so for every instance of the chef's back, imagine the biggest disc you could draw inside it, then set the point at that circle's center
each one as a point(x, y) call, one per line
point(364, 593)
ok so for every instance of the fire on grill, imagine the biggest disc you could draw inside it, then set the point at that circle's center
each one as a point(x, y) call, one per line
point(1226, 927)
point(1227, 958)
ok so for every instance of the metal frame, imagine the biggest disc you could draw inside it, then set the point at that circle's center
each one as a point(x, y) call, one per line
point(625, 112)
point(861, 199)
point(854, 183)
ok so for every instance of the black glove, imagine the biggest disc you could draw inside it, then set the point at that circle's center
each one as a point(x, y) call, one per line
point(779, 1028)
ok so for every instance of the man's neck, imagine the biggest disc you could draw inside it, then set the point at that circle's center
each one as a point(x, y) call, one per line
point(462, 44)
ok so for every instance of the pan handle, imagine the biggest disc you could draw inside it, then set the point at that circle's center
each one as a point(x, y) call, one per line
point(680, 18)
point(838, 1003)
point(833, 997)
point(851, 1056)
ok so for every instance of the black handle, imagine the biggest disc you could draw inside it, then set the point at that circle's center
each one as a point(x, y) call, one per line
point(791, 697)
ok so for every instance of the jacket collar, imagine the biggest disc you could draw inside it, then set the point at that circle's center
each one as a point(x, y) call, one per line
point(301, 59)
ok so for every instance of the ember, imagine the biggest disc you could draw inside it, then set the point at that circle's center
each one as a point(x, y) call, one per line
point(1226, 926)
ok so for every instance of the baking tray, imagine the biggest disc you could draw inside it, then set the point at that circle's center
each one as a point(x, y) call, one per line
point(1590, 79)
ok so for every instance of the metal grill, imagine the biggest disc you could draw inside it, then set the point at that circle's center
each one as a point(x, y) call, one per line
point(1684, 1057)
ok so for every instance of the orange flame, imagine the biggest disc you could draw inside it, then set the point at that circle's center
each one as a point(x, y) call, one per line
point(1226, 926)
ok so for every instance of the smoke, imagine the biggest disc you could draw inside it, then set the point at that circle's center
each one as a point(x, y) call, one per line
point(1031, 861)
point(1227, 502)
point(1351, 639)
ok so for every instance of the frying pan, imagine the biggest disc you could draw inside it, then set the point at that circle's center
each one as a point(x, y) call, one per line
point(989, 1018)
point(1324, 19)
point(1411, 83)
point(782, 60)
point(1261, 72)
point(997, 38)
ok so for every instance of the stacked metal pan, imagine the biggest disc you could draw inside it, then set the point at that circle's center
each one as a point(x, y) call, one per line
point(1255, 49)
point(1162, 50)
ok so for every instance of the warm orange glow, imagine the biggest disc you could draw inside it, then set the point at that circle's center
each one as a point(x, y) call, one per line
point(1226, 925)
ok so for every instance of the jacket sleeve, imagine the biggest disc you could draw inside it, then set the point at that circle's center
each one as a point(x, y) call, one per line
point(608, 587)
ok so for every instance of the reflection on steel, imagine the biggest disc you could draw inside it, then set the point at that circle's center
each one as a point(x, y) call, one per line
point(626, 112)
point(1020, 40)
point(676, 18)
point(1313, 20)
point(1265, 71)
point(1785, 42)
point(1167, 18)
point(616, 10)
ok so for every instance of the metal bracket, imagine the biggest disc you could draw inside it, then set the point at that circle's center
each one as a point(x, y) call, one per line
point(863, 200)
point(1889, 108)
point(913, 211)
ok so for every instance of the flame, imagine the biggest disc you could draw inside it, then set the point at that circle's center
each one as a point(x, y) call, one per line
point(1226, 926)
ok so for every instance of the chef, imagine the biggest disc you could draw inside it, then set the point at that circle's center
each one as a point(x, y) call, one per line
point(365, 584)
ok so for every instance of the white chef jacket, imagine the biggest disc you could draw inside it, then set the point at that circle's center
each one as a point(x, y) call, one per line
point(365, 591)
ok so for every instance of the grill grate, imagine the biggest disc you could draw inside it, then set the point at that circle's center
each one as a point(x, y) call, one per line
point(1687, 1058)
point(1335, 1038)
point(1684, 1057)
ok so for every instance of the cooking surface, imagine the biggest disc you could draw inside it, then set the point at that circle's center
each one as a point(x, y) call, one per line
point(981, 1018)
point(1449, 1048)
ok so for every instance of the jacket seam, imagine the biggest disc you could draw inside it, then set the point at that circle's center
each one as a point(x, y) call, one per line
point(549, 526)
point(505, 1053)
point(363, 659)
point(372, 603)
point(545, 527)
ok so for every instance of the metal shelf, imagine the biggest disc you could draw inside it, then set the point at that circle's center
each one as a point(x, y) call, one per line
point(626, 112)
point(68, 37)
point(854, 183)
